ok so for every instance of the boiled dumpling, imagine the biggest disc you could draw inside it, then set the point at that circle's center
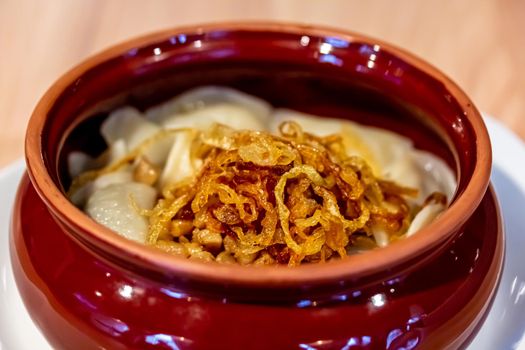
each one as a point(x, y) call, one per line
point(222, 113)
point(200, 107)
point(79, 162)
point(319, 126)
point(388, 154)
point(391, 156)
point(80, 196)
point(437, 175)
point(179, 165)
point(127, 125)
point(425, 217)
point(113, 206)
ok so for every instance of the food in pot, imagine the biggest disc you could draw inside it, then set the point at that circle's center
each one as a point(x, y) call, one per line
point(218, 175)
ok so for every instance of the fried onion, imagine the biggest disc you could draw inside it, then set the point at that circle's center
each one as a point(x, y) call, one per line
point(265, 199)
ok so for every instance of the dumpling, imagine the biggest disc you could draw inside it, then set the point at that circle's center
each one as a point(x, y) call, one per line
point(127, 125)
point(390, 155)
point(112, 206)
point(425, 217)
point(200, 107)
point(323, 126)
point(79, 162)
point(179, 165)
point(437, 174)
point(319, 126)
point(222, 113)
point(80, 196)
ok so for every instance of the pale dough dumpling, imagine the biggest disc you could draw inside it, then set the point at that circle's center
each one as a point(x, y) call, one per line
point(179, 165)
point(199, 109)
point(127, 125)
point(438, 175)
point(425, 217)
point(117, 206)
point(222, 113)
point(388, 154)
point(230, 107)
point(79, 162)
point(80, 196)
point(391, 156)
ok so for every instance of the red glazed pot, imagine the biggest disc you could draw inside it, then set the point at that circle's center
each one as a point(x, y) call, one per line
point(86, 287)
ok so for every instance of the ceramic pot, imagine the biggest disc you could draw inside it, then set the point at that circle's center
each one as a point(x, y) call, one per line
point(86, 287)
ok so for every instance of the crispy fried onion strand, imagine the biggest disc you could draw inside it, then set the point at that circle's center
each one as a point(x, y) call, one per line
point(260, 198)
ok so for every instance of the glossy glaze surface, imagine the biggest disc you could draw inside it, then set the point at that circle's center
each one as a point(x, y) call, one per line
point(75, 298)
point(84, 284)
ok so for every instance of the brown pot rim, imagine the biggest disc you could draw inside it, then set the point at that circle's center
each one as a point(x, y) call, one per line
point(358, 266)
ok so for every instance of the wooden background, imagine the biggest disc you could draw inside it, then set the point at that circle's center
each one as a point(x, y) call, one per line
point(479, 43)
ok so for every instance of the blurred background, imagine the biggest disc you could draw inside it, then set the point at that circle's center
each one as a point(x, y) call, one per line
point(479, 43)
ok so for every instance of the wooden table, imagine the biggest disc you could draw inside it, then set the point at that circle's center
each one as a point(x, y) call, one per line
point(479, 43)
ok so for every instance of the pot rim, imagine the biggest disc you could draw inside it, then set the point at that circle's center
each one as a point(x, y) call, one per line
point(376, 261)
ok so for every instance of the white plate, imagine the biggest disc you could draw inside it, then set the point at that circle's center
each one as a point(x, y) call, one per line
point(503, 329)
